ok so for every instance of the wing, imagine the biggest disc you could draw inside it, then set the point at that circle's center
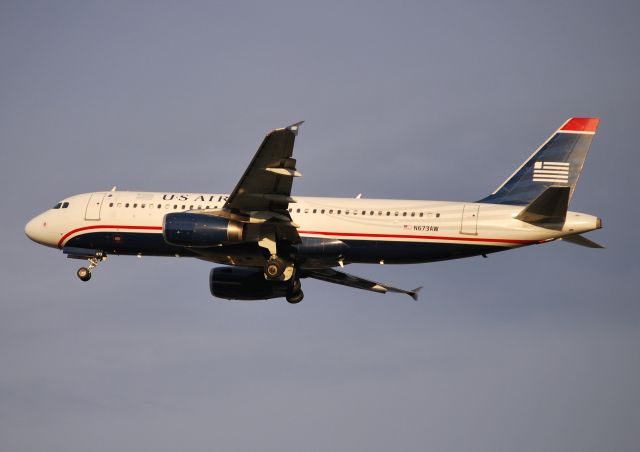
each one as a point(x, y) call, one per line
point(263, 193)
point(345, 279)
point(266, 184)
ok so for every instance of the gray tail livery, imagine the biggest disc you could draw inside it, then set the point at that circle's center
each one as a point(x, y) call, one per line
point(557, 163)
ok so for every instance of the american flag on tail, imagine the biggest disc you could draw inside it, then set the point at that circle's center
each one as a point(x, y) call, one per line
point(551, 172)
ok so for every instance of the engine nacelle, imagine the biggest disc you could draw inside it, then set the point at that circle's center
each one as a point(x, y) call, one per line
point(197, 229)
point(244, 283)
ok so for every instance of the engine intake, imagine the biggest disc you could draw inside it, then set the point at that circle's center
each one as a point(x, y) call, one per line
point(244, 283)
point(197, 229)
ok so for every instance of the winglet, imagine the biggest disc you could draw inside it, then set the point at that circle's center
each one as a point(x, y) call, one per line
point(414, 293)
point(293, 127)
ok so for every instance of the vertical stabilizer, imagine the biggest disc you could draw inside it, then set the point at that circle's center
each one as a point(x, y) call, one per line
point(558, 162)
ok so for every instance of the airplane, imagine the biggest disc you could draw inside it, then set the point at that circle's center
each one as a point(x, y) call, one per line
point(268, 241)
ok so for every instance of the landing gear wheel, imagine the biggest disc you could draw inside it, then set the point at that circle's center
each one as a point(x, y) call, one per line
point(274, 269)
point(295, 297)
point(84, 274)
point(295, 286)
point(295, 294)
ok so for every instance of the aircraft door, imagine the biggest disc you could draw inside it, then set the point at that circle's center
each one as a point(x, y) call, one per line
point(93, 206)
point(469, 223)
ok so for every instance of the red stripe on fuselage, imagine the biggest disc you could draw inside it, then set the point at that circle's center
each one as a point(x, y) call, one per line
point(108, 226)
point(420, 237)
point(334, 234)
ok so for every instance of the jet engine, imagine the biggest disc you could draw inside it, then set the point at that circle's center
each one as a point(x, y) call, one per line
point(244, 283)
point(197, 229)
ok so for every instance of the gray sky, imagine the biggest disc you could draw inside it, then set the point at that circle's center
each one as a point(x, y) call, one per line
point(536, 349)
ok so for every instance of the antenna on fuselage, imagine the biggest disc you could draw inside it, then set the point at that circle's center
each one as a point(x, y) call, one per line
point(359, 196)
point(114, 188)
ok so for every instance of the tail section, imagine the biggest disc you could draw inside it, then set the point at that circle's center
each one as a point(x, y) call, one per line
point(557, 163)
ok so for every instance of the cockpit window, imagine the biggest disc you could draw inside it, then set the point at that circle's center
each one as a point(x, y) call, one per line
point(57, 206)
point(65, 205)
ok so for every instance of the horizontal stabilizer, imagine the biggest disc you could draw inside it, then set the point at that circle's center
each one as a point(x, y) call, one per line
point(548, 208)
point(582, 241)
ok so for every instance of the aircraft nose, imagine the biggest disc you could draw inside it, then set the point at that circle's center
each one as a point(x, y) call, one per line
point(30, 228)
point(37, 230)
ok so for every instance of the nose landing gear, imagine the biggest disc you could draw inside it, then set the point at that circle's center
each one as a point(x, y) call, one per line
point(84, 273)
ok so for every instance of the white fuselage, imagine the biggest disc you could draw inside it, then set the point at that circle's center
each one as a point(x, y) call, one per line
point(378, 221)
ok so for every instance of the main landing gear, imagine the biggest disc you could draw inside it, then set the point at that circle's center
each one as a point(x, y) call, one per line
point(278, 269)
point(84, 273)
point(274, 268)
point(294, 293)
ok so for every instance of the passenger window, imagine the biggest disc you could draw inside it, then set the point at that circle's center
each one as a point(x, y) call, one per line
point(190, 207)
point(413, 214)
point(421, 214)
point(315, 210)
point(388, 213)
point(338, 212)
point(159, 206)
point(371, 213)
point(175, 207)
point(330, 211)
point(183, 207)
point(404, 214)
point(199, 207)
point(346, 212)
point(110, 204)
point(380, 212)
point(167, 206)
point(135, 205)
point(396, 214)
point(322, 211)
point(298, 211)
point(306, 210)
point(126, 205)
point(437, 215)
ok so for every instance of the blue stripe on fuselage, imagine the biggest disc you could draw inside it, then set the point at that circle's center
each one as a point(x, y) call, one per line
point(359, 251)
